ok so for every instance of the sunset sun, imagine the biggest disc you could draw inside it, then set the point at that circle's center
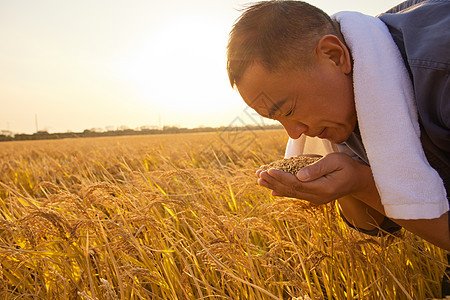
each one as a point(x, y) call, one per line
point(181, 64)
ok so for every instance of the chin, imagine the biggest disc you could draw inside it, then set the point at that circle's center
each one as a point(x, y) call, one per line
point(336, 139)
point(341, 139)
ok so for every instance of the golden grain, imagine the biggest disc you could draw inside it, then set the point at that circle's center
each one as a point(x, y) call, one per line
point(180, 217)
point(291, 165)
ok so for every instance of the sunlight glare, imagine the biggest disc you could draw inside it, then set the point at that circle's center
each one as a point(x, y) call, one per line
point(181, 64)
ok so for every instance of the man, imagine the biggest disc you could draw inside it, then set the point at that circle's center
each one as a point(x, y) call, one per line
point(290, 62)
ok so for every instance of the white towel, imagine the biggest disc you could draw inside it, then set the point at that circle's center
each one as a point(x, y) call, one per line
point(388, 120)
point(309, 145)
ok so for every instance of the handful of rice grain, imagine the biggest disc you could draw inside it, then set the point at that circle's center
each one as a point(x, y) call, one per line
point(291, 165)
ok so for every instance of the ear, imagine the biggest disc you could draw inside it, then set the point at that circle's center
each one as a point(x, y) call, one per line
point(331, 48)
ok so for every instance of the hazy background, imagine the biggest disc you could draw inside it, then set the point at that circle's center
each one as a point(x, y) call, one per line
point(75, 65)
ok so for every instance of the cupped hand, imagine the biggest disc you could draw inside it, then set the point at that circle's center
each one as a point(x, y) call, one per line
point(330, 178)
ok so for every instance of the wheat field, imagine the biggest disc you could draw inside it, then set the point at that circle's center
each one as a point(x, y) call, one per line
point(180, 217)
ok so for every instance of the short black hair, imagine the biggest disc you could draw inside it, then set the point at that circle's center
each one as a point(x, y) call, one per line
point(278, 34)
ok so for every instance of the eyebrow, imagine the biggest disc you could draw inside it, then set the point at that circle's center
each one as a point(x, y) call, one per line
point(275, 107)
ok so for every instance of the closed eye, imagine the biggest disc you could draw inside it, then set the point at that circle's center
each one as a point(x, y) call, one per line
point(291, 111)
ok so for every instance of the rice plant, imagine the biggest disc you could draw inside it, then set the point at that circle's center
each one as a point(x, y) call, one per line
point(181, 217)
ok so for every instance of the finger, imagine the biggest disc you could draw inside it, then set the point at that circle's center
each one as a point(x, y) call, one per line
point(284, 177)
point(291, 182)
point(286, 183)
point(259, 171)
point(278, 188)
point(296, 193)
point(296, 189)
point(263, 183)
point(282, 183)
point(322, 167)
point(266, 180)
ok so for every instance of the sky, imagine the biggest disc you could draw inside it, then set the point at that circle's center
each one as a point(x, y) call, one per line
point(112, 64)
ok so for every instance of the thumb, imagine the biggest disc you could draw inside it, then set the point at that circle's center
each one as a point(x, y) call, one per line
point(316, 170)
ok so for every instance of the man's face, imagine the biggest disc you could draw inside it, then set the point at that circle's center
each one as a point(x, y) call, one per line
point(317, 102)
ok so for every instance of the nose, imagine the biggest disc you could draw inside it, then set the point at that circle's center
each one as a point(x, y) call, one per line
point(294, 128)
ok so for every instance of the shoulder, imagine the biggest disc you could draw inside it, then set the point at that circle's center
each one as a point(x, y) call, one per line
point(420, 30)
point(414, 4)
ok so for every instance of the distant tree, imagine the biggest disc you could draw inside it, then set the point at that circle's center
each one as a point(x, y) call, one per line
point(5, 138)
